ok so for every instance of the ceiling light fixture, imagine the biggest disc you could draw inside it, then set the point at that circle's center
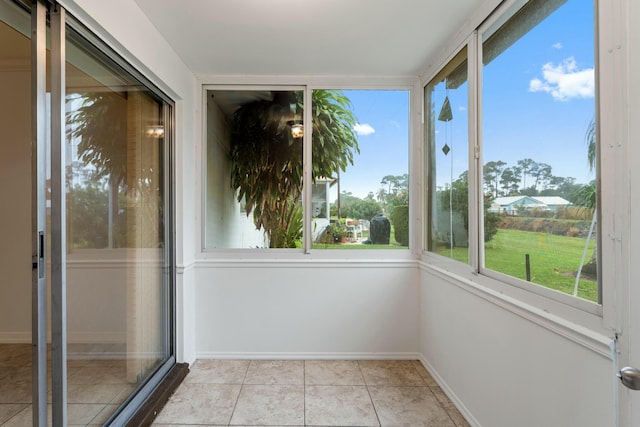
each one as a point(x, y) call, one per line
point(297, 130)
point(155, 131)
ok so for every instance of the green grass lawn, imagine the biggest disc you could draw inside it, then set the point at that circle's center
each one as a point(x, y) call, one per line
point(392, 244)
point(554, 259)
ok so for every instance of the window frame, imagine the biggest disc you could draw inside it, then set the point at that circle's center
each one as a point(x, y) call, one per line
point(536, 295)
point(308, 85)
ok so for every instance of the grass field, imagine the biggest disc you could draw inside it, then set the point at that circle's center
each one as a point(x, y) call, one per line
point(392, 244)
point(554, 259)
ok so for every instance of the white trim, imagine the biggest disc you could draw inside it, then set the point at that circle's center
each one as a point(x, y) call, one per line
point(15, 337)
point(415, 151)
point(82, 16)
point(304, 263)
point(308, 356)
point(73, 337)
point(595, 340)
point(14, 65)
point(92, 337)
point(458, 40)
point(307, 84)
point(185, 268)
point(312, 82)
point(449, 392)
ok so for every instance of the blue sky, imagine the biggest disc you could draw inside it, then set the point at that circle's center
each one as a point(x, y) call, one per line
point(538, 98)
point(538, 101)
point(383, 138)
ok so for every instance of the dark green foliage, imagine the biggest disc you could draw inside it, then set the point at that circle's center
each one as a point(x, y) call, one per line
point(357, 208)
point(400, 221)
point(335, 233)
point(459, 196)
point(101, 125)
point(89, 215)
point(491, 223)
point(266, 160)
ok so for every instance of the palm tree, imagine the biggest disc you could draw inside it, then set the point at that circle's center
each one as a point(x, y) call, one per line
point(266, 159)
point(588, 198)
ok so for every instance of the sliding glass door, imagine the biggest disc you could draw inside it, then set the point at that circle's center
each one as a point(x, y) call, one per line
point(118, 234)
point(23, 344)
point(85, 164)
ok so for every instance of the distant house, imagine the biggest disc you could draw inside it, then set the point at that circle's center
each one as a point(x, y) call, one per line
point(553, 202)
point(512, 205)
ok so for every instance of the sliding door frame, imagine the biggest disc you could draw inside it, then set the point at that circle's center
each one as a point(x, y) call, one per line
point(58, 220)
point(38, 214)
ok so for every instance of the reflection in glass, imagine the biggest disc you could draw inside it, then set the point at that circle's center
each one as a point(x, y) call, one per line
point(539, 138)
point(117, 282)
point(254, 169)
point(15, 215)
point(446, 101)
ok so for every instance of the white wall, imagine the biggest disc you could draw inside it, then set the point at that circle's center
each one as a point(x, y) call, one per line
point(227, 225)
point(504, 369)
point(307, 310)
point(15, 194)
point(97, 297)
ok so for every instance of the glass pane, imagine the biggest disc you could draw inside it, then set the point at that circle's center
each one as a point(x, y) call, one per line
point(446, 102)
point(539, 146)
point(360, 147)
point(254, 169)
point(117, 289)
point(15, 216)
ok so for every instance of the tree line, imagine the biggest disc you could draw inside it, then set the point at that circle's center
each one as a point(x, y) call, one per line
point(530, 178)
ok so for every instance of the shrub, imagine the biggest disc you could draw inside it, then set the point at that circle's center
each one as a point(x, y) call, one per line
point(491, 223)
point(400, 220)
point(573, 232)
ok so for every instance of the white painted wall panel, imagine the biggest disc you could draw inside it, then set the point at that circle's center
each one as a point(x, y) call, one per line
point(306, 311)
point(15, 194)
point(507, 370)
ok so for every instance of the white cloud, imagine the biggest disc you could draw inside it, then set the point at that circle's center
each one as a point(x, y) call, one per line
point(557, 45)
point(364, 129)
point(395, 124)
point(462, 108)
point(565, 81)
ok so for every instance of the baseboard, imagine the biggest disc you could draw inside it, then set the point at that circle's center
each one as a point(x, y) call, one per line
point(96, 337)
point(72, 337)
point(15, 337)
point(450, 394)
point(307, 356)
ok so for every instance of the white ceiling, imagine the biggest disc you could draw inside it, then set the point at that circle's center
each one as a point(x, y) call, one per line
point(308, 37)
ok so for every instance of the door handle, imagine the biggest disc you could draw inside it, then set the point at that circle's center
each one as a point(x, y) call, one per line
point(630, 377)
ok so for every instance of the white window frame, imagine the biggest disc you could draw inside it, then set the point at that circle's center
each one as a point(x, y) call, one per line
point(308, 84)
point(494, 285)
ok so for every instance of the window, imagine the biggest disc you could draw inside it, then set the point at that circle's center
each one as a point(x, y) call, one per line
point(254, 168)
point(447, 131)
point(358, 182)
point(534, 173)
point(361, 188)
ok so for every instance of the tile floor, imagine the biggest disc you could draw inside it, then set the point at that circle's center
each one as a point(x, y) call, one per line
point(95, 388)
point(309, 393)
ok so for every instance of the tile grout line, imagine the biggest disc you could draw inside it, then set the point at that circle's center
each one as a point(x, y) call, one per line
point(235, 405)
point(447, 411)
point(375, 410)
